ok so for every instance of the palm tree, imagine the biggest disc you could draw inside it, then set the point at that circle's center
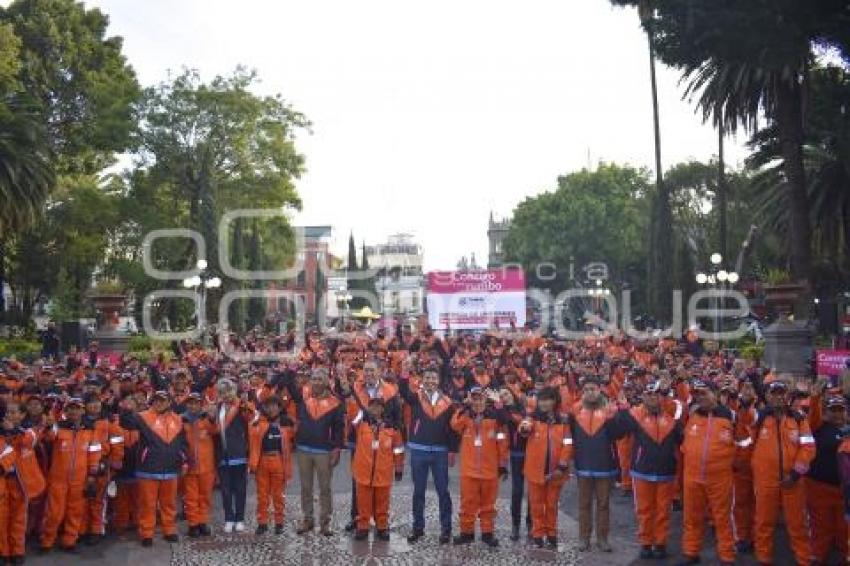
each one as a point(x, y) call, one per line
point(733, 93)
point(26, 172)
point(660, 224)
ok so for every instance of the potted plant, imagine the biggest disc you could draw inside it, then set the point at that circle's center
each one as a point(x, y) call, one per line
point(109, 298)
point(781, 292)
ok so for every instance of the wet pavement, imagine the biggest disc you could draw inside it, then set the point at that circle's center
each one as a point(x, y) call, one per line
point(316, 550)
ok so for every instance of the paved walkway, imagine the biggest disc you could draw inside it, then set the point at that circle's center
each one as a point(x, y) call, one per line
point(315, 550)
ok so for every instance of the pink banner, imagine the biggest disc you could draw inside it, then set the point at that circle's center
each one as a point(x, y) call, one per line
point(831, 362)
point(490, 281)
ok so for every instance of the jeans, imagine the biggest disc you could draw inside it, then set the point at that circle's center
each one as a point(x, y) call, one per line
point(421, 462)
point(517, 489)
point(234, 484)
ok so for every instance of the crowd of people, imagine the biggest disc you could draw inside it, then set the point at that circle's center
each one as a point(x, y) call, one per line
point(92, 444)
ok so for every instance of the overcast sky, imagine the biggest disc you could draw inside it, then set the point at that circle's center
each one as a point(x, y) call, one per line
point(428, 115)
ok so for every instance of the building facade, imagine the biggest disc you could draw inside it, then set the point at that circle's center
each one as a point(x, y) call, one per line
point(399, 280)
point(496, 232)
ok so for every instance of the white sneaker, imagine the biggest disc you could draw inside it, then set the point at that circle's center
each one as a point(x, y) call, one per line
point(228, 527)
point(240, 527)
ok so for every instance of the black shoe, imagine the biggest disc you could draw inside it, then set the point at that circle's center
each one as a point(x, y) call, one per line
point(326, 532)
point(261, 529)
point(415, 536)
point(44, 550)
point(688, 560)
point(489, 540)
point(147, 542)
point(194, 531)
point(278, 529)
point(16, 560)
point(445, 538)
point(361, 534)
point(351, 526)
point(87, 539)
point(383, 535)
point(463, 538)
point(72, 549)
point(646, 553)
point(659, 552)
point(204, 530)
point(515, 533)
point(743, 547)
point(171, 538)
point(552, 543)
point(538, 542)
point(304, 528)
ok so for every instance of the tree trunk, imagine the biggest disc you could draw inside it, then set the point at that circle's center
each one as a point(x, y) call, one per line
point(722, 195)
point(660, 253)
point(2, 277)
point(789, 119)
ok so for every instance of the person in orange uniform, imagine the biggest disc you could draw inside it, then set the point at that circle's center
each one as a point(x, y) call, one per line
point(657, 437)
point(783, 447)
point(743, 510)
point(162, 444)
point(483, 460)
point(199, 427)
point(270, 460)
point(547, 460)
point(74, 462)
point(823, 482)
point(111, 440)
point(357, 396)
point(126, 503)
point(709, 451)
point(378, 458)
point(7, 466)
point(24, 481)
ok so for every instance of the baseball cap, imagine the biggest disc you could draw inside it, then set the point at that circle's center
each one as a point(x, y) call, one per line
point(836, 401)
point(162, 394)
point(776, 386)
point(476, 390)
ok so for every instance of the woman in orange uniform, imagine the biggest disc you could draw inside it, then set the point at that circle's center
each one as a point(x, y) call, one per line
point(547, 459)
point(483, 460)
point(378, 457)
point(199, 480)
point(270, 460)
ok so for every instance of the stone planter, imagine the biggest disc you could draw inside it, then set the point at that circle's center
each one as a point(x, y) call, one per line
point(110, 306)
point(783, 297)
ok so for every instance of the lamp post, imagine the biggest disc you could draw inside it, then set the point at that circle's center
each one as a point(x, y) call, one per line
point(203, 282)
point(717, 278)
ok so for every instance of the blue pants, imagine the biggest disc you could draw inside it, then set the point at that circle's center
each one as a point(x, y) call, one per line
point(517, 489)
point(421, 462)
point(233, 482)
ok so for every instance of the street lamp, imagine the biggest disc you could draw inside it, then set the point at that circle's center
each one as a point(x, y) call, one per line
point(717, 277)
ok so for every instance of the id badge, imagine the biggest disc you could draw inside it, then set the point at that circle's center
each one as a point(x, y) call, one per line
point(375, 444)
point(478, 442)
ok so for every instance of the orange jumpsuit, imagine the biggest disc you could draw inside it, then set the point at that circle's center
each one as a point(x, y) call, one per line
point(199, 480)
point(126, 503)
point(709, 451)
point(74, 458)
point(624, 455)
point(24, 481)
point(7, 464)
point(549, 448)
point(783, 446)
point(379, 452)
point(162, 442)
point(270, 459)
point(111, 439)
point(743, 511)
point(483, 451)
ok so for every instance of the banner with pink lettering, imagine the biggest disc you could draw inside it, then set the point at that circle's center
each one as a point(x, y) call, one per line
point(476, 300)
point(831, 362)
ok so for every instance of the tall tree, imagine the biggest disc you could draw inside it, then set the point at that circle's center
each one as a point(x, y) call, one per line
point(79, 77)
point(660, 229)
